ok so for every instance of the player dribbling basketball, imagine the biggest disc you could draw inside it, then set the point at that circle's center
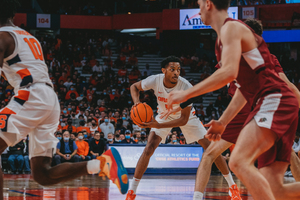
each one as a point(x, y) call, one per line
point(193, 130)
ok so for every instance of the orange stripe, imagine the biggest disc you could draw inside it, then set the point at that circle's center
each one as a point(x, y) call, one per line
point(23, 95)
point(23, 73)
point(7, 111)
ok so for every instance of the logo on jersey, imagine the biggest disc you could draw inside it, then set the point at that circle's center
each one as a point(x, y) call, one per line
point(262, 120)
point(163, 99)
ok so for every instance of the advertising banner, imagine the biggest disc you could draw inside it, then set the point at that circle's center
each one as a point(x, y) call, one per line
point(43, 20)
point(167, 156)
point(248, 12)
point(190, 18)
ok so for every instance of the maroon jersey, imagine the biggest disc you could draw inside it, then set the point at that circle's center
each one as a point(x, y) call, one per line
point(277, 66)
point(256, 76)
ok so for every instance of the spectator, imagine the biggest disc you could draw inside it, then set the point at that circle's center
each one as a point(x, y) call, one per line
point(117, 137)
point(26, 156)
point(296, 145)
point(110, 138)
point(107, 127)
point(66, 150)
point(68, 83)
point(173, 139)
point(58, 135)
point(147, 70)
point(128, 139)
point(97, 146)
point(122, 137)
point(209, 109)
point(94, 127)
point(143, 139)
point(16, 155)
point(72, 90)
point(70, 125)
point(133, 61)
point(63, 77)
point(82, 148)
point(122, 72)
point(73, 136)
point(182, 139)
point(97, 67)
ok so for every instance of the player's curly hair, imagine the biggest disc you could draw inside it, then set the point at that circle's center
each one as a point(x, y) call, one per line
point(221, 4)
point(256, 25)
point(169, 59)
point(8, 9)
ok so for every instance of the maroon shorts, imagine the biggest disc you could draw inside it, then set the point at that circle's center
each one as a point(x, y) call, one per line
point(234, 128)
point(279, 113)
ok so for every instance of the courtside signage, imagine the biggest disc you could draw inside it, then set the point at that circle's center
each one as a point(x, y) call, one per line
point(190, 18)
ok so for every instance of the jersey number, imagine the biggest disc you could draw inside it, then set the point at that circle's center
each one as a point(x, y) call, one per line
point(3, 119)
point(35, 48)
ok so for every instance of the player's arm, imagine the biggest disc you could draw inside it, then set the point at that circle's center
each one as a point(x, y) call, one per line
point(135, 92)
point(231, 54)
point(181, 121)
point(217, 127)
point(291, 86)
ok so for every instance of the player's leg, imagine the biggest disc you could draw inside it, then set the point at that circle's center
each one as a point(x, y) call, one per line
point(204, 170)
point(252, 142)
point(153, 142)
point(3, 146)
point(274, 173)
point(295, 166)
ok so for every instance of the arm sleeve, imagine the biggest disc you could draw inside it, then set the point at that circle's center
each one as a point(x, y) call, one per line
point(189, 102)
point(148, 83)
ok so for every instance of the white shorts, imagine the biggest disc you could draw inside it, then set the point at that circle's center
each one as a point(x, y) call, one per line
point(34, 111)
point(192, 131)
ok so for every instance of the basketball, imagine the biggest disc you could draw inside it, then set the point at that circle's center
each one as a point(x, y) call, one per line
point(141, 113)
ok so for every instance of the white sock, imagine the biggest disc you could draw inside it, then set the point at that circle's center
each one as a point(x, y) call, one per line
point(198, 195)
point(229, 179)
point(93, 166)
point(134, 184)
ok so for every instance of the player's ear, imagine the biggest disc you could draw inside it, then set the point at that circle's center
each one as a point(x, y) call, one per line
point(163, 70)
point(208, 4)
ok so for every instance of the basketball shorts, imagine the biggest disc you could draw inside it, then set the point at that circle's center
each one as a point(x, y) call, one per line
point(33, 111)
point(192, 131)
point(279, 113)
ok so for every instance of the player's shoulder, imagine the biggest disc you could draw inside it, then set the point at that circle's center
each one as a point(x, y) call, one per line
point(183, 81)
point(232, 29)
point(156, 76)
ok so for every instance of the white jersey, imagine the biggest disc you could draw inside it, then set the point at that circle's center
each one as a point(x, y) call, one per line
point(155, 83)
point(26, 65)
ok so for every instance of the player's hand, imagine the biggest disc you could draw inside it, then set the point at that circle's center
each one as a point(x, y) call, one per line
point(135, 104)
point(216, 129)
point(165, 114)
point(152, 124)
point(176, 97)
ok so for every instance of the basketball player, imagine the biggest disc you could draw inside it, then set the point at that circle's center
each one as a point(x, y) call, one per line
point(191, 127)
point(244, 58)
point(34, 110)
point(233, 129)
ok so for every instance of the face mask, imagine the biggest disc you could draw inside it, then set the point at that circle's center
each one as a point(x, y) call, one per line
point(72, 89)
point(93, 124)
point(123, 90)
point(129, 102)
point(83, 81)
point(109, 140)
point(61, 120)
point(85, 135)
point(127, 136)
point(81, 95)
point(134, 136)
point(143, 137)
point(101, 136)
point(117, 135)
point(106, 120)
point(69, 122)
point(113, 93)
point(73, 115)
point(69, 109)
point(104, 93)
point(182, 139)
point(59, 138)
point(66, 138)
point(65, 112)
point(80, 137)
point(174, 141)
point(80, 104)
point(124, 118)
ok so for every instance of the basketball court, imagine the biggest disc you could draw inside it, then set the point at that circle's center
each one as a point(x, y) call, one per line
point(162, 187)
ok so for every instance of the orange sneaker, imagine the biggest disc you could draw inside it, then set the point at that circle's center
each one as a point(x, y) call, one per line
point(235, 193)
point(130, 195)
point(111, 166)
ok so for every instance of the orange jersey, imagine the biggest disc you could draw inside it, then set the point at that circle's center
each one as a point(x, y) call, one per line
point(82, 147)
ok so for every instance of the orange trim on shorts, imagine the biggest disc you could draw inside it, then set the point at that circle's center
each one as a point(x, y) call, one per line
point(7, 111)
point(23, 95)
point(23, 73)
